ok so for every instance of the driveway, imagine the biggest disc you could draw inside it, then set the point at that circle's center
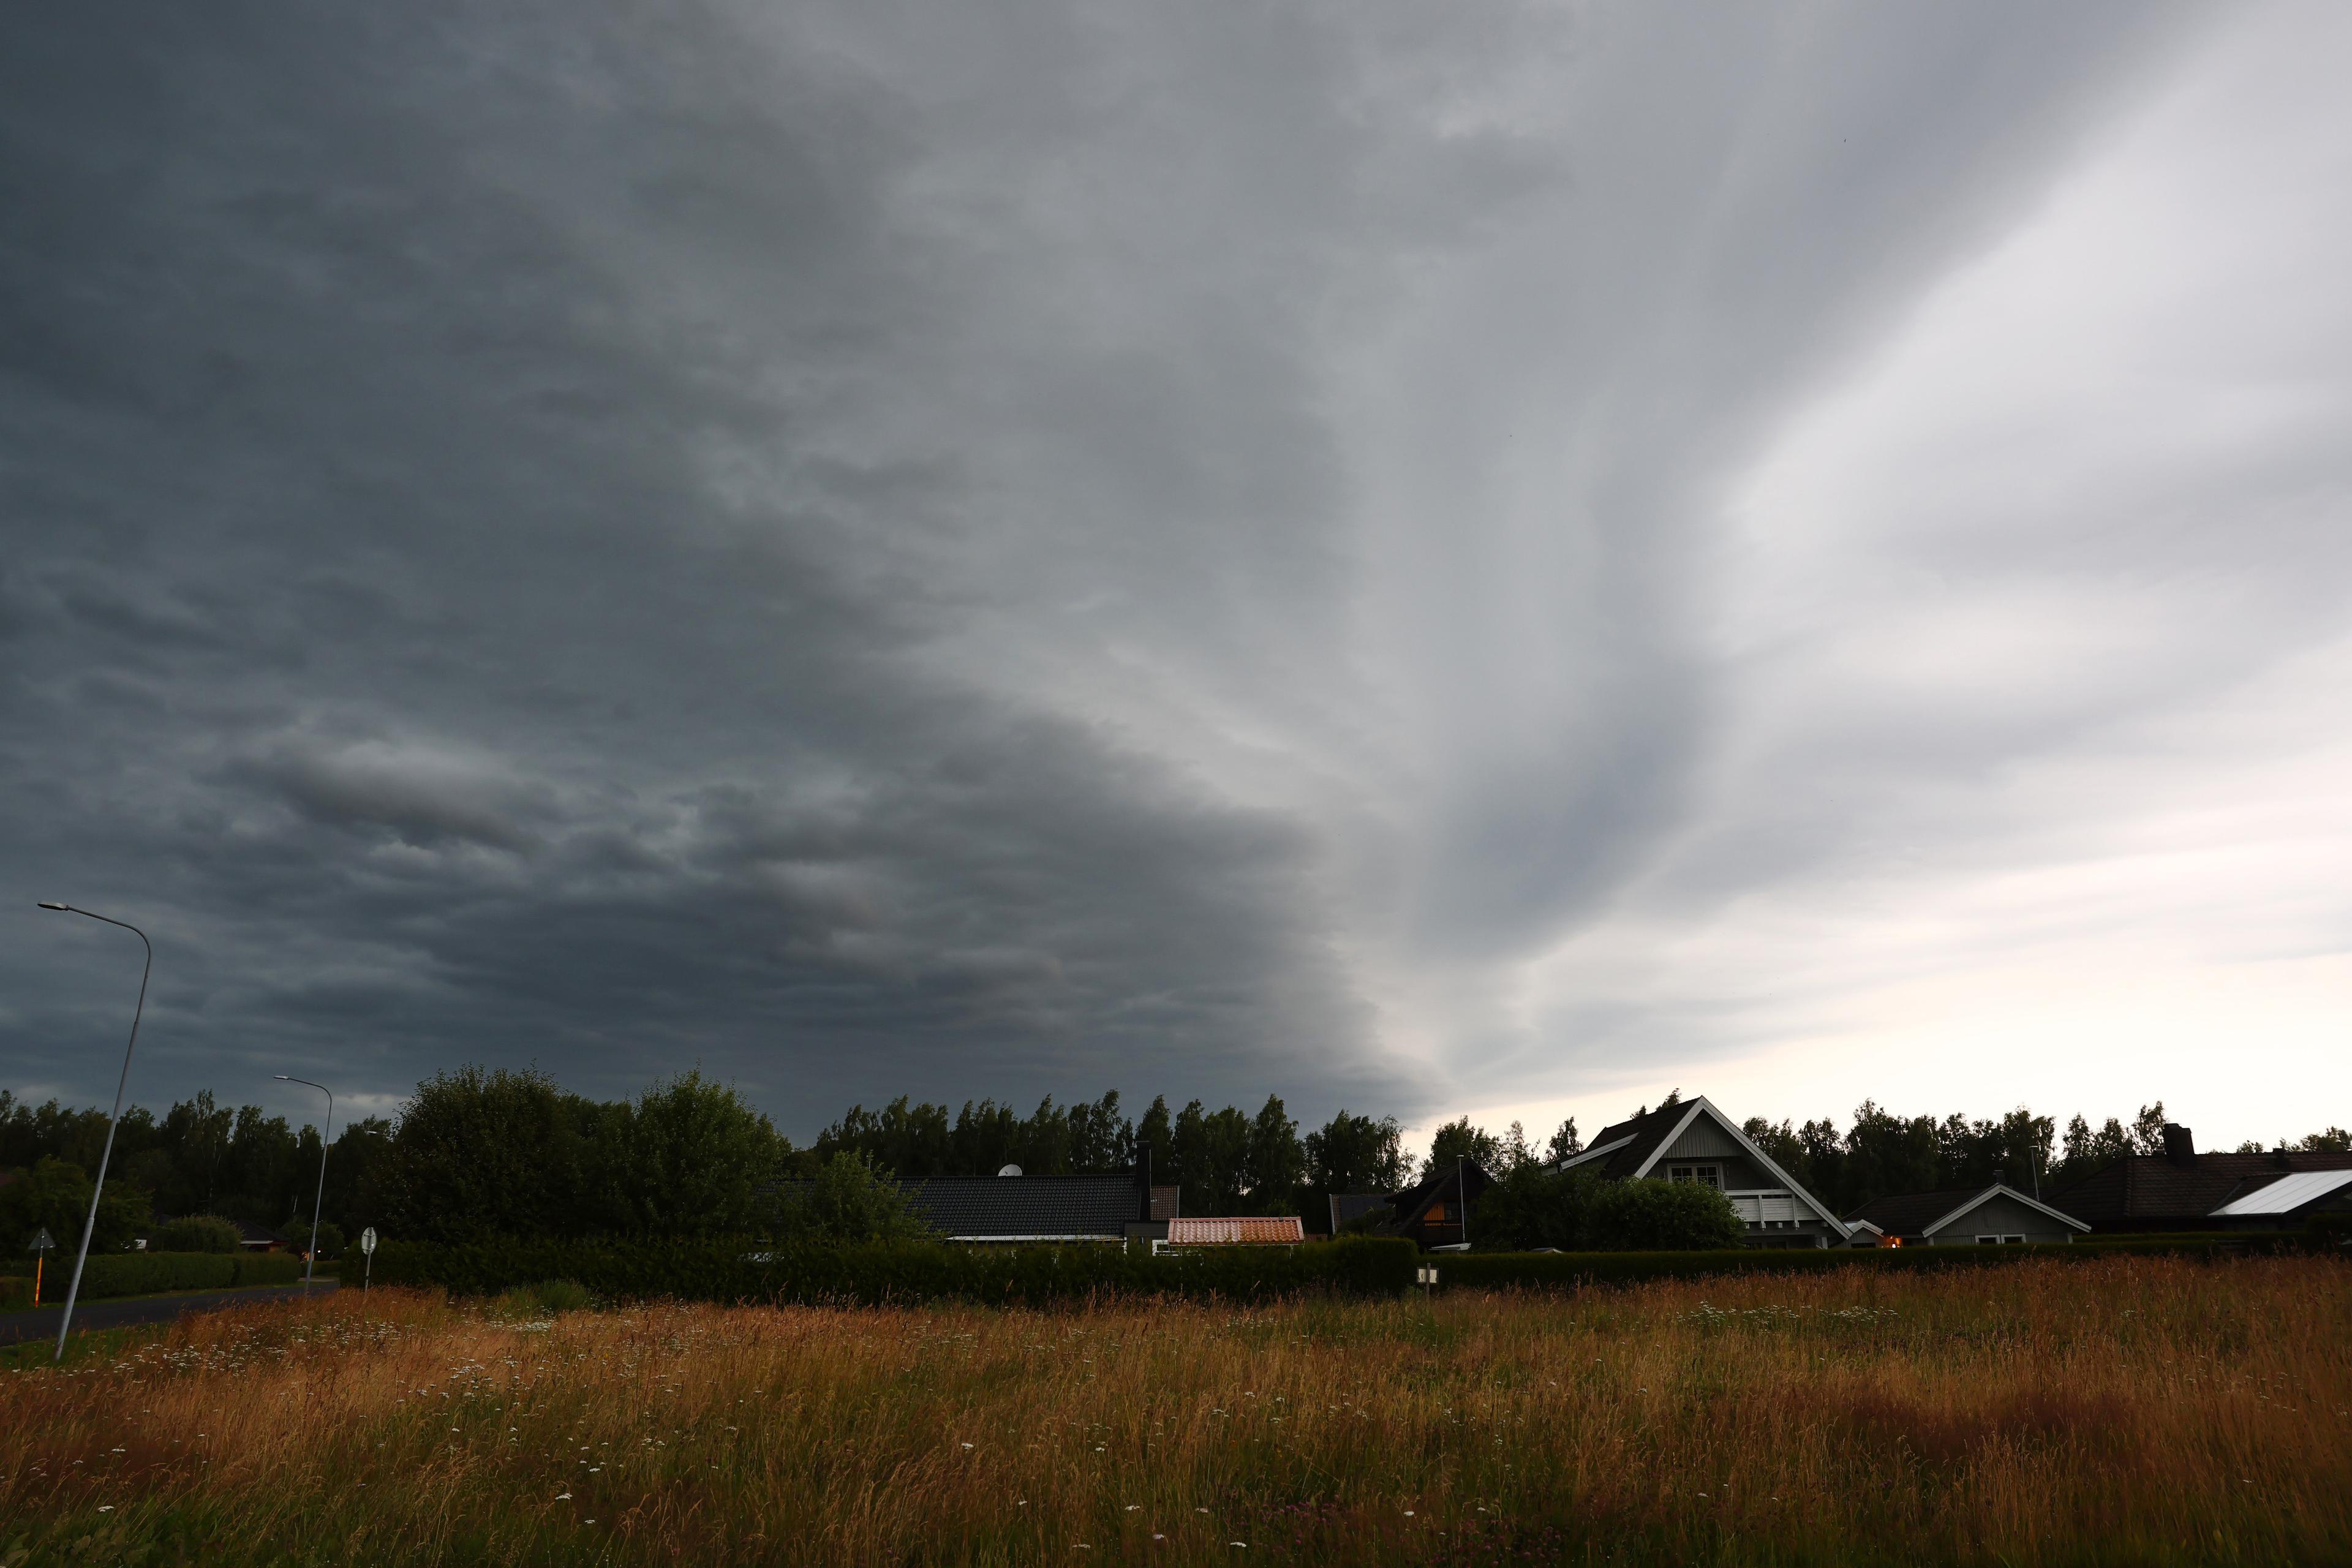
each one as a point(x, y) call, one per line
point(41, 1322)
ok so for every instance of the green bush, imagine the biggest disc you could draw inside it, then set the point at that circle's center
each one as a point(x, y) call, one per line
point(849, 1199)
point(197, 1233)
point(298, 1238)
point(55, 1195)
point(16, 1291)
point(739, 1270)
point(1575, 1211)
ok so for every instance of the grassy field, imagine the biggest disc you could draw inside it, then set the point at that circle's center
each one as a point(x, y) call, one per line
point(2133, 1410)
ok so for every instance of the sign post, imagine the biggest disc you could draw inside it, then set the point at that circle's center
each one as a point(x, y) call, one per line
point(367, 1250)
point(40, 1250)
point(1426, 1277)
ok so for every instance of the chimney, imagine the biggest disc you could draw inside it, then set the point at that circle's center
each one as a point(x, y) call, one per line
point(2178, 1146)
point(1143, 1181)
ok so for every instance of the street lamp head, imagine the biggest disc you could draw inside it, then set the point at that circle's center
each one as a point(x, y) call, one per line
point(65, 908)
point(281, 1077)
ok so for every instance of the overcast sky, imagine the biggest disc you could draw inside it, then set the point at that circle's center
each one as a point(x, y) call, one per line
point(1448, 558)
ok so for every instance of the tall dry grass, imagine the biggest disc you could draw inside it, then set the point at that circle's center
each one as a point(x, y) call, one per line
point(2127, 1411)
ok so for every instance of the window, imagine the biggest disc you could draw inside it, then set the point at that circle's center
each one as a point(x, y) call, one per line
point(1706, 1175)
point(1988, 1241)
point(2013, 1241)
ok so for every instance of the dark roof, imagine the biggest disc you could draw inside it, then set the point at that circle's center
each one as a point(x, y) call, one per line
point(1347, 1206)
point(1409, 1206)
point(1028, 1205)
point(1910, 1213)
point(2150, 1189)
point(1647, 1133)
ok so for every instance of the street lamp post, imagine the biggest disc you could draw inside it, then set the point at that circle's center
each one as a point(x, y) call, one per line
point(312, 1266)
point(99, 1186)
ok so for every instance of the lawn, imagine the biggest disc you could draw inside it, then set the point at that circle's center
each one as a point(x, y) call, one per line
point(2131, 1410)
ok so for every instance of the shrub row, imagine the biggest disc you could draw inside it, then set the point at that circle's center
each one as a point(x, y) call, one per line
point(148, 1273)
point(1506, 1270)
point(739, 1270)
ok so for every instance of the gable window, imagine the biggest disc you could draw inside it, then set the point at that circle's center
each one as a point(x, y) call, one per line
point(2000, 1241)
point(1705, 1176)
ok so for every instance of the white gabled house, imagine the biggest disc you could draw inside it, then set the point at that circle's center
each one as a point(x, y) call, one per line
point(1691, 1140)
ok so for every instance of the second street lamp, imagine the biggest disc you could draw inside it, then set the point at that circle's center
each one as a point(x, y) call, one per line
point(74, 1289)
point(311, 1265)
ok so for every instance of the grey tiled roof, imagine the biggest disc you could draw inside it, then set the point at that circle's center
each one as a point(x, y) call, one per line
point(1646, 1132)
point(2149, 1190)
point(1028, 1205)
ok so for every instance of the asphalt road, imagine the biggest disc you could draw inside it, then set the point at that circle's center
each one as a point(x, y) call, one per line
point(41, 1322)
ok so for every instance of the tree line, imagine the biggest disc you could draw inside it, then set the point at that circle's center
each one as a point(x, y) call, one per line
point(477, 1153)
point(1882, 1153)
point(199, 1157)
point(1224, 1161)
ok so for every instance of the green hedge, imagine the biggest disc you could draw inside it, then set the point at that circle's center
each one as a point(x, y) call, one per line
point(739, 1270)
point(16, 1291)
point(1506, 1271)
point(111, 1274)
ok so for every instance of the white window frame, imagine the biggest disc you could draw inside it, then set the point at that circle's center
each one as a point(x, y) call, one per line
point(1706, 1175)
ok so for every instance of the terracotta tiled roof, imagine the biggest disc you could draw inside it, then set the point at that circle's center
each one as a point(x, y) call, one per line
point(1277, 1230)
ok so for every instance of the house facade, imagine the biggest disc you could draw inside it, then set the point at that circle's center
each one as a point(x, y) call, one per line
point(1997, 1216)
point(1434, 1212)
point(1693, 1140)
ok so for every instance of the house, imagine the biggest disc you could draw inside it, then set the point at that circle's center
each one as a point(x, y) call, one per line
point(1433, 1213)
point(1349, 1207)
point(1273, 1230)
point(1966, 1217)
point(2181, 1189)
point(1692, 1141)
point(257, 1238)
point(1012, 1207)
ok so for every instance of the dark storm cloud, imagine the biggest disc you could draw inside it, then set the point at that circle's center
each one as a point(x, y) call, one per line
point(384, 630)
point(904, 548)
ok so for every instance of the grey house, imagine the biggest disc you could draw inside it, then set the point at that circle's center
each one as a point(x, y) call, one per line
point(1691, 1140)
point(1996, 1216)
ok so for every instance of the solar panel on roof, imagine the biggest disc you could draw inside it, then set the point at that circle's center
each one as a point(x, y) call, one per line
point(2287, 1192)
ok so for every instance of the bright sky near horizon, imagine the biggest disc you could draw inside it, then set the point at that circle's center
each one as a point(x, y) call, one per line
point(1500, 561)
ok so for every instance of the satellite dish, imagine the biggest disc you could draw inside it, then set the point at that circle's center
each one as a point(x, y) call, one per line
point(1010, 1171)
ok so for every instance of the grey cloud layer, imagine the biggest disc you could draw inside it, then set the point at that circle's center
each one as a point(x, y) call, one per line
point(901, 548)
